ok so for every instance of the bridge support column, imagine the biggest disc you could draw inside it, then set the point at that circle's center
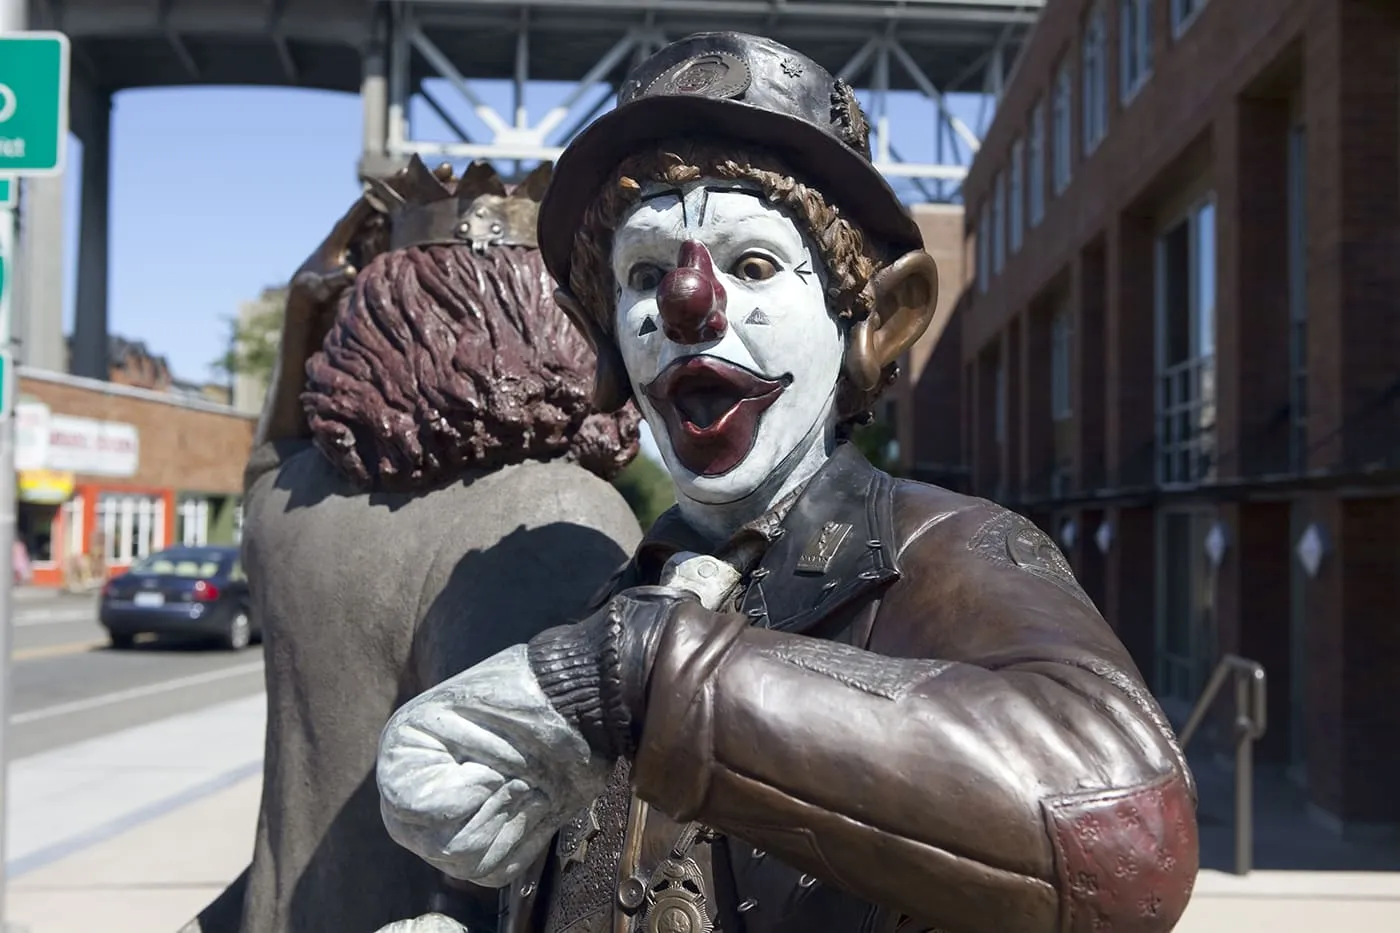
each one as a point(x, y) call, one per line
point(90, 320)
point(39, 317)
point(374, 95)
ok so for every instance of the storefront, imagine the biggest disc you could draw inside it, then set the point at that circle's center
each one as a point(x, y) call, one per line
point(108, 474)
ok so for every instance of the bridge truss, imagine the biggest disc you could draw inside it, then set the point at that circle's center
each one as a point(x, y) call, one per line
point(934, 48)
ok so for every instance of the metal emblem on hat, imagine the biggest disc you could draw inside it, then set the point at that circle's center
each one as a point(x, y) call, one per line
point(718, 75)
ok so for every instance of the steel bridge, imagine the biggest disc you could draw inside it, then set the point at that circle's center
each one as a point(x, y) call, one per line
point(391, 51)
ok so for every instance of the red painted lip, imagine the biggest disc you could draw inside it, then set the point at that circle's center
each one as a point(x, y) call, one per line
point(699, 389)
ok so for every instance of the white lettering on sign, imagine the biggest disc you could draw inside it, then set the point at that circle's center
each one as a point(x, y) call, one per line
point(11, 148)
point(45, 441)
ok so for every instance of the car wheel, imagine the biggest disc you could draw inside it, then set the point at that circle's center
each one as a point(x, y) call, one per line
point(239, 634)
point(121, 641)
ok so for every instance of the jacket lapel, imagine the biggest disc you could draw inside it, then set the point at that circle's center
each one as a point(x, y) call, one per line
point(836, 546)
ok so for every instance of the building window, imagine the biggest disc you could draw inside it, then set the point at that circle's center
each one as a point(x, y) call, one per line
point(1037, 165)
point(1095, 103)
point(999, 224)
point(192, 523)
point(132, 526)
point(1184, 14)
point(1135, 45)
point(1062, 110)
point(999, 427)
point(1298, 294)
point(984, 248)
point(1061, 356)
point(1186, 348)
point(1016, 208)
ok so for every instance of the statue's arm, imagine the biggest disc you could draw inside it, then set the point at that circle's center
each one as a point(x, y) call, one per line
point(476, 775)
point(312, 297)
point(1030, 786)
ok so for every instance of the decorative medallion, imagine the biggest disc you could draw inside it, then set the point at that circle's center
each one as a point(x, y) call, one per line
point(817, 558)
point(677, 899)
point(717, 75)
point(791, 68)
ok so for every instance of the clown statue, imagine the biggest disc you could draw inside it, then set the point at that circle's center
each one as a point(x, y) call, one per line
point(817, 697)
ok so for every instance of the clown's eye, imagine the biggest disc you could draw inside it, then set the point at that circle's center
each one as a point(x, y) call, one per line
point(754, 268)
point(644, 277)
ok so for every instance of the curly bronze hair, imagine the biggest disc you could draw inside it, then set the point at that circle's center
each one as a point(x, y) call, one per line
point(441, 359)
point(850, 259)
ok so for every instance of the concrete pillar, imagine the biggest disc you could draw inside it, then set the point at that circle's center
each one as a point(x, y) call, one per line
point(90, 320)
point(39, 310)
point(374, 96)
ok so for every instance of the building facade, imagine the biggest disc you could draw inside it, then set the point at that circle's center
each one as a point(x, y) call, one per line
point(108, 473)
point(921, 411)
point(1180, 350)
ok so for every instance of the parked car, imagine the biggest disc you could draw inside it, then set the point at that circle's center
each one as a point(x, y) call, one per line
point(199, 591)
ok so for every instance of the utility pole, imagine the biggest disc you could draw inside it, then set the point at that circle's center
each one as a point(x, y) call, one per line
point(33, 138)
point(14, 18)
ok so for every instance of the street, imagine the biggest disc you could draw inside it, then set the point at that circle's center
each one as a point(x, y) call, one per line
point(67, 685)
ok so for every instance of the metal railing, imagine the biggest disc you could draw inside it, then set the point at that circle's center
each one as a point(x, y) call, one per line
point(1251, 720)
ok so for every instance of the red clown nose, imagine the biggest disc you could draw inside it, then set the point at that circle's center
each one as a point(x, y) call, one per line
point(691, 298)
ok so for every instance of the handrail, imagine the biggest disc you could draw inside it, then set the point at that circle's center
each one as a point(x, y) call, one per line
point(1251, 721)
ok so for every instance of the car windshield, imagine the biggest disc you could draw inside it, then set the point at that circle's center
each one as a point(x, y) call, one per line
point(189, 564)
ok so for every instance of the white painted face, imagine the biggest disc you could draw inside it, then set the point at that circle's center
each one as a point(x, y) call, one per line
point(723, 326)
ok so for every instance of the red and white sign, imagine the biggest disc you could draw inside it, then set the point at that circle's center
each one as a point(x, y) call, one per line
point(45, 441)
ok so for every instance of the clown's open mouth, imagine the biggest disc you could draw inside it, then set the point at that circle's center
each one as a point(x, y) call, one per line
point(712, 408)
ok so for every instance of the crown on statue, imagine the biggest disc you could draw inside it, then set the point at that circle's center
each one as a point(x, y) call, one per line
point(479, 209)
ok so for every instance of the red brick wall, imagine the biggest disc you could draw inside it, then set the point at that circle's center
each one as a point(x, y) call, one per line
point(180, 447)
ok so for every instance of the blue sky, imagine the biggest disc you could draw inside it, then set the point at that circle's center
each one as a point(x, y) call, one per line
point(220, 192)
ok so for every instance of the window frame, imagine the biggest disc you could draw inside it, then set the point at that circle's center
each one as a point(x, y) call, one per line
point(1094, 78)
point(1036, 179)
point(1134, 16)
point(999, 223)
point(1062, 129)
point(1016, 213)
point(1183, 21)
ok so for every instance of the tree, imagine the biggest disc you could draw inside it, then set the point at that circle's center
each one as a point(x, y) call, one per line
point(647, 489)
point(873, 440)
point(254, 337)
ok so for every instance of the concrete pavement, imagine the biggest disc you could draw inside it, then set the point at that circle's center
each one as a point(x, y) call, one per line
point(135, 832)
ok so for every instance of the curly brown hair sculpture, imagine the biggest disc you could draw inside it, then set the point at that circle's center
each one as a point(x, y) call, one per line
point(818, 697)
point(428, 487)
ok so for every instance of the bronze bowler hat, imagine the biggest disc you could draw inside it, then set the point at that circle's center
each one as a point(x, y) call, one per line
point(731, 86)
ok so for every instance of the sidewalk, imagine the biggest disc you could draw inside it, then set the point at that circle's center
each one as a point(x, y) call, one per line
point(135, 832)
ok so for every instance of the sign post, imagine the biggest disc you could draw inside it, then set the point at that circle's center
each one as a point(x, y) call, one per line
point(33, 141)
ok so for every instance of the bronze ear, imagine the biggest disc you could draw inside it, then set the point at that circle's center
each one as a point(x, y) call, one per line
point(611, 388)
point(906, 301)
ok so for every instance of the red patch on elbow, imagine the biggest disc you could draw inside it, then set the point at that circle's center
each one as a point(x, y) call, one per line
point(1126, 859)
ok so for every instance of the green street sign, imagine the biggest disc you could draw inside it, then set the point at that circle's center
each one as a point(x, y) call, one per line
point(33, 103)
point(9, 192)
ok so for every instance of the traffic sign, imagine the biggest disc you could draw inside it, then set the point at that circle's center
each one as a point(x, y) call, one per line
point(9, 192)
point(33, 103)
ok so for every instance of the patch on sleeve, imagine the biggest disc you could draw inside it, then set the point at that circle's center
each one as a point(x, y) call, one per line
point(1126, 859)
point(891, 678)
point(1008, 538)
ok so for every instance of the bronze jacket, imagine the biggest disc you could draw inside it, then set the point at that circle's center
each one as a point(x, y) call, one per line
point(917, 720)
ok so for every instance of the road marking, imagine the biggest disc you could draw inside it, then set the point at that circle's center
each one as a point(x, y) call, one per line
point(135, 693)
point(56, 651)
point(56, 617)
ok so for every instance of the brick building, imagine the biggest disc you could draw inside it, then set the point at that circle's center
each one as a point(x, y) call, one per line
point(1181, 350)
point(109, 473)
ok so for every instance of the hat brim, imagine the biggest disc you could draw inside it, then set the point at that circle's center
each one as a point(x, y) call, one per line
point(822, 161)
